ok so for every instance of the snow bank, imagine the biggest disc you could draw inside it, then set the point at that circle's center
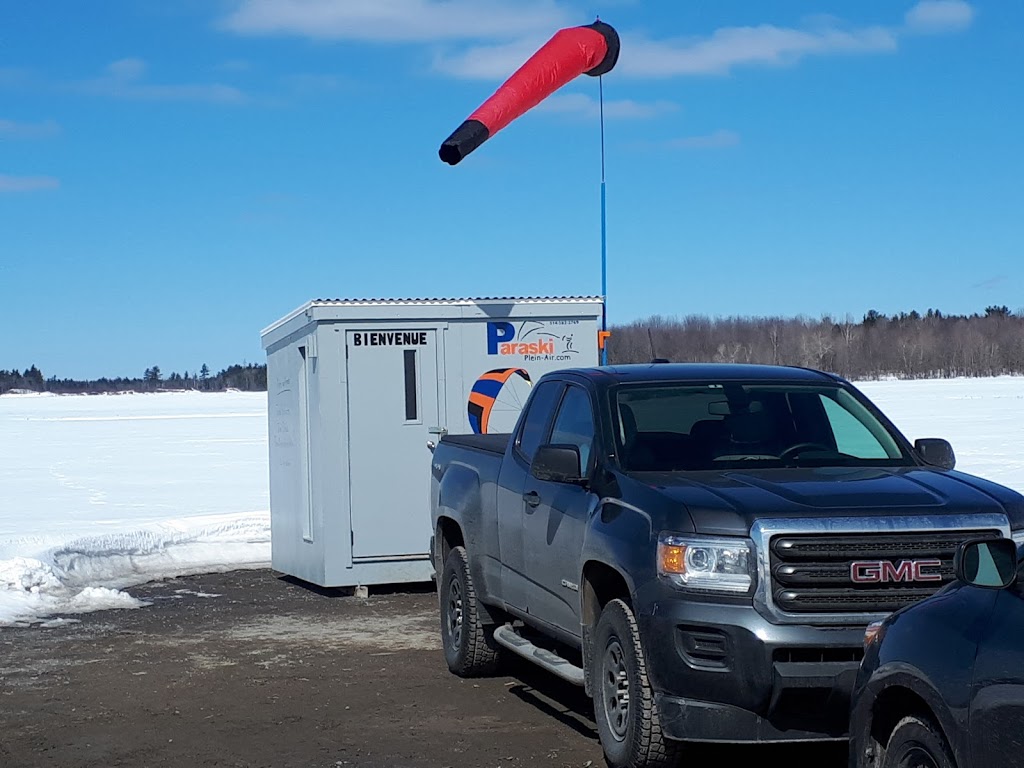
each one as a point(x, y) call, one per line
point(30, 589)
point(103, 493)
point(88, 574)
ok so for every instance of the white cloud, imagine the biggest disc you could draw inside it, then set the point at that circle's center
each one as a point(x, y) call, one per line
point(582, 105)
point(726, 48)
point(395, 20)
point(935, 16)
point(305, 84)
point(993, 282)
point(719, 53)
point(731, 47)
point(489, 62)
point(236, 65)
point(27, 183)
point(18, 130)
point(719, 139)
point(124, 79)
point(11, 77)
point(127, 69)
point(502, 34)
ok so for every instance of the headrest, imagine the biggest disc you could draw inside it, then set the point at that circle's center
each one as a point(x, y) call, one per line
point(753, 426)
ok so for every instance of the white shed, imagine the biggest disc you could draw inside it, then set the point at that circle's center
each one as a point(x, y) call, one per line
point(356, 389)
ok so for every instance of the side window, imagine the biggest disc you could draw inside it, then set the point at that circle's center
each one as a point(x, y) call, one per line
point(574, 424)
point(535, 423)
point(852, 437)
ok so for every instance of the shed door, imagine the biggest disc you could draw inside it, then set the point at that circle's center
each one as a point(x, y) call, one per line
point(392, 402)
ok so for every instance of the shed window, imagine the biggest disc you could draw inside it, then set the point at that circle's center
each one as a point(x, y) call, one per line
point(411, 399)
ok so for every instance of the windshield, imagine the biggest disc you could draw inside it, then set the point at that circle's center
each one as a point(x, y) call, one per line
point(676, 427)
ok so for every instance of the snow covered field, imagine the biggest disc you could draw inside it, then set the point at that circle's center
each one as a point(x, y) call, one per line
point(101, 493)
point(982, 418)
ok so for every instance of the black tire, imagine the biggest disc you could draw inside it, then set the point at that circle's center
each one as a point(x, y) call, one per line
point(469, 646)
point(917, 743)
point(629, 729)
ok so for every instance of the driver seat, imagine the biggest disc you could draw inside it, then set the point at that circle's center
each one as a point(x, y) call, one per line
point(750, 431)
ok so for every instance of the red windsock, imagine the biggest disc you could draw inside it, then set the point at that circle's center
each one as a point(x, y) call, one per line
point(590, 50)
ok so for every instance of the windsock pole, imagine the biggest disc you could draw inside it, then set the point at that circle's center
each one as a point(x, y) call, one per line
point(604, 237)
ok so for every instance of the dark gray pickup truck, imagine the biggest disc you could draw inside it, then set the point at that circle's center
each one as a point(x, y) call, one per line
point(700, 546)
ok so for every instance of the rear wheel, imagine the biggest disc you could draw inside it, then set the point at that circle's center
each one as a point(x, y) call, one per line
point(469, 646)
point(627, 719)
point(917, 743)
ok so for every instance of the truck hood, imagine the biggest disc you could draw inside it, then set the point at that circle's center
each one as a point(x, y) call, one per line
point(728, 503)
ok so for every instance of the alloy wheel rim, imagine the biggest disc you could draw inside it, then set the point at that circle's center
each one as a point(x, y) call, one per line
point(615, 689)
point(455, 615)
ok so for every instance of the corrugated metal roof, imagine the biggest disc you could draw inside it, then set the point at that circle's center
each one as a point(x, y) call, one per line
point(480, 300)
point(310, 305)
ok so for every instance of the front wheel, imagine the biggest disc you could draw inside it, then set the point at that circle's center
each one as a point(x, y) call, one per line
point(917, 743)
point(469, 646)
point(627, 719)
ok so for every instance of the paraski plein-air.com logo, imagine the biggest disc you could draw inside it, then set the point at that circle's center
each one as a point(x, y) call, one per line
point(533, 340)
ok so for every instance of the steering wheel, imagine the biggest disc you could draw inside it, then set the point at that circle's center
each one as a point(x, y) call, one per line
point(801, 447)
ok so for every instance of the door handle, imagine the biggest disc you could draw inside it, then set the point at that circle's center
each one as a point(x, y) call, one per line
point(532, 498)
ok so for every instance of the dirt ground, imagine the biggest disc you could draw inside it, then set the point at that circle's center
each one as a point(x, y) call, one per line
point(248, 669)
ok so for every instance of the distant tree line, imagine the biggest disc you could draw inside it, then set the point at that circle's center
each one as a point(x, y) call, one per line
point(248, 378)
point(909, 345)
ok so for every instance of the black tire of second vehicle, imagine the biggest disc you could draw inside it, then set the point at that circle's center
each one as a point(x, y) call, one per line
point(914, 742)
point(642, 745)
point(474, 653)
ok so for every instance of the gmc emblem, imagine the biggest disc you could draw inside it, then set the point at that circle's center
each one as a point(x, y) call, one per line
point(883, 572)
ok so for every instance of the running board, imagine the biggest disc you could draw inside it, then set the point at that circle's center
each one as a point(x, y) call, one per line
point(552, 662)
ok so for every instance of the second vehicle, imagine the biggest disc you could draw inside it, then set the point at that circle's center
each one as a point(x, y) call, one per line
point(942, 685)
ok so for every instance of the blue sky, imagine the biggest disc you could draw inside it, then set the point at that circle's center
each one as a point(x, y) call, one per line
point(177, 174)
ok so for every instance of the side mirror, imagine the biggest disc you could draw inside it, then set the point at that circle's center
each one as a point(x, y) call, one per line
point(936, 452)
point(558, 464)
point(988, 563)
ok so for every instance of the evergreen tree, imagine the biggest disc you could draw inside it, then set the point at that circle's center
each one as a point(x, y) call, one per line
point(34, 379)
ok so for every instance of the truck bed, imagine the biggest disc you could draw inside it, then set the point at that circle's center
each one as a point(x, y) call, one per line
point(496, 443)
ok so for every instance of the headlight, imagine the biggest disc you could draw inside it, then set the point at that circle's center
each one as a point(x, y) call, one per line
point(723, 565)
point(1018, 537)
